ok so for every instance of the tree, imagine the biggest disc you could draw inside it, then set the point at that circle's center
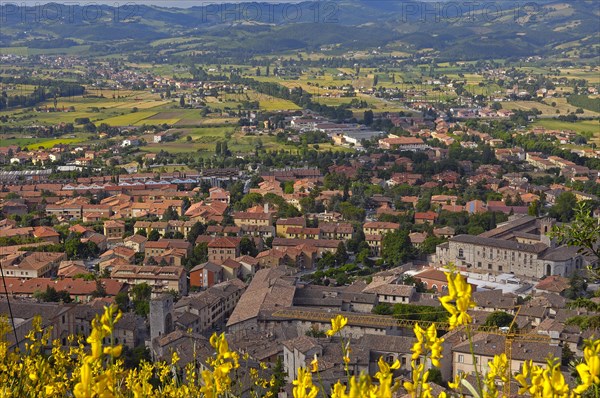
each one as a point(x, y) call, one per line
point(584, 232)
point(564, 207)
point(122, 301)
point(279, 378)
point(341, 255)
point(368, 117)
point(567, 355)
point(577, 287)
point(100, 289)
point(435, 376)
point(351, 212)
point(196, 230)
point(133, 358)
point(182, 101)
point(430, 244)
point(72, 246)
point(248, 247)
point(382, 309)
point(200, 253)
point(534, 208)
point(396, 248)
point(52, 296)
point(499, 319)
point(141, 294)
point(170, 214)
point(154, 235)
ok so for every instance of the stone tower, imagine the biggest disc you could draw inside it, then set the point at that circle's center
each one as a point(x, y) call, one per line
point(161, 319)
point(546, 224)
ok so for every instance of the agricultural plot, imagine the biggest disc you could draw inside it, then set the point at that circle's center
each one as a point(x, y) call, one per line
point(129, 119)
point(562, 106)
point(580, 126)
point(270, 103)
point(35, 143)
point(592, 76)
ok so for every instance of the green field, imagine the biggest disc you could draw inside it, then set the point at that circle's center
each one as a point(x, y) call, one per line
point(592, 126)
point(129, 119)
point(35, 143)
point(546, 107)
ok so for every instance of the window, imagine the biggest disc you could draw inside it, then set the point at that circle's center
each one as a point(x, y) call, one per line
point(461, 358)
point(489, 266)
point(499, 268)
point(479, 264)
point(461, 253)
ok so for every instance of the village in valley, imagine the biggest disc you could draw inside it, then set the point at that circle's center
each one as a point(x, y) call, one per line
point(262, 196)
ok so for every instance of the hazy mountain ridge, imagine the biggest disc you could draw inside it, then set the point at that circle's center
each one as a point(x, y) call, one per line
point(515, 30)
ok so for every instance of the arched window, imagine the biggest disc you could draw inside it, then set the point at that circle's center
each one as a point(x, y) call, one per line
point(548, 269)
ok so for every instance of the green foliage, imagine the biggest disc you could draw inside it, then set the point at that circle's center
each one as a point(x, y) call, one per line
point(585, 322)
point(584, 231)
point(314, 332)
point(499, 319)
point(76, 249)
point(122, 301)
point(199, 254)
point(420, 313)
point(534, 208)
point(430, 243)
point(435, 376)
point(351, 212)
point(341, 255)
point(247, 246)
point(141, 294)
point(585, 102)
point(134, 357)
point(288, 187)
point(577, 287)
point(51, 295)
point(383, 309)
point(170, 214)
point(249, 200)
point(564, 207)
point(279, 377)
point(154, 235)
point(396, 248)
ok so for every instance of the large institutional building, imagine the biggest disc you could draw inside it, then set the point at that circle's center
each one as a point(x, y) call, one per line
point(520, 246)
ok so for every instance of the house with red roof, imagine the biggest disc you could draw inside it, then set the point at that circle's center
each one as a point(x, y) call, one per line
point(425, 217)
point(223, 248)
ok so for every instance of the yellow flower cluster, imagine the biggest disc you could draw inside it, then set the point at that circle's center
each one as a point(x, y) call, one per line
point(363, 386)
point(303, 385)
point(428, 345)
point(94, 382)
point(541, 381)
point(589, 370)
point(337, 324)
point(218, 381)
point(427, 341)
point(498, 369)
point(458, 301)
point(97, 371)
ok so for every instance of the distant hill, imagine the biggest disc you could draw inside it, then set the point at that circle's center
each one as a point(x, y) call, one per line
point(495, 30)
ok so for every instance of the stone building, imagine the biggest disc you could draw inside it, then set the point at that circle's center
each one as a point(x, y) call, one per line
point(521, 246)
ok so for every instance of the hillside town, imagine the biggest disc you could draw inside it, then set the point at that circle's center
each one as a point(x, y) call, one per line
point(350, 199)
point(271, 255)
